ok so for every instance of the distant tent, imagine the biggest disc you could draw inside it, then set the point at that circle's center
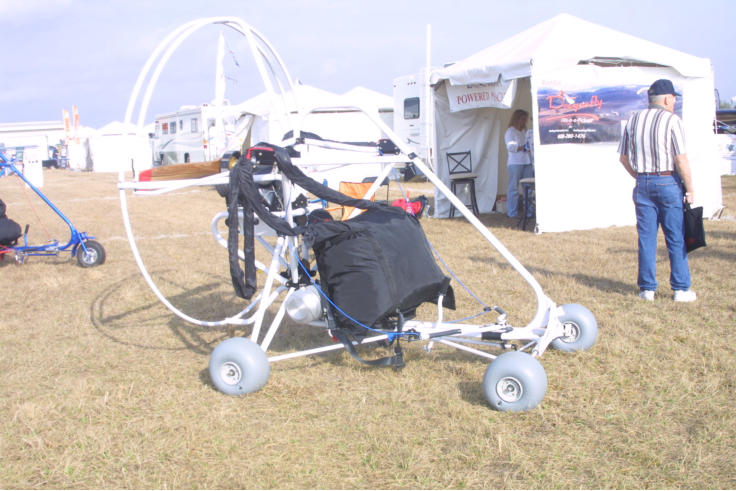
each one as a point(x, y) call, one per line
point(579, 81)
point(340, 122)
point(329, 116)
point(114, 147)
point(368, 98)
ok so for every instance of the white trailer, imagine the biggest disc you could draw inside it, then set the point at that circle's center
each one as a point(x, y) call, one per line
point(413, 114)
point(198, 133)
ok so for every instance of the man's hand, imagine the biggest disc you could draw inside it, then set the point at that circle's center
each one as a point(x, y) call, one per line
point(624, 159)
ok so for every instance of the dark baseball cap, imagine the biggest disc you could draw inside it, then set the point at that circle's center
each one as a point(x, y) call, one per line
point(662, 87)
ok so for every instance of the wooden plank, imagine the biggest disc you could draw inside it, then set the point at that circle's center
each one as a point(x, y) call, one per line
point(190, 170)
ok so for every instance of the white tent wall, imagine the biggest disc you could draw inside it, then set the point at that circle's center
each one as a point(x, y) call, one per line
point(341, 126)
point(79, 155)
point(341, 123)
point(111, 148)
point(583, 186)
point(699, 107)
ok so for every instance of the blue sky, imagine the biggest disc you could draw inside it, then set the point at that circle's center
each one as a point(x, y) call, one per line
point(60, 53)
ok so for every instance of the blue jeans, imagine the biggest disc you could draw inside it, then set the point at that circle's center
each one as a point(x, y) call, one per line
point(516, 172)
point(658, 201)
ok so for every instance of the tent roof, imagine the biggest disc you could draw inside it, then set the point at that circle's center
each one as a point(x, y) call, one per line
point(116, 128)
point(566, 40)
point(119, 128)
point(307, 96)
point(310, 97)
point(369, 98)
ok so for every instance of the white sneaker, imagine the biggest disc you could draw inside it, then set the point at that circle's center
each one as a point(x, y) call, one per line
point(647, 295)
point(685, 296)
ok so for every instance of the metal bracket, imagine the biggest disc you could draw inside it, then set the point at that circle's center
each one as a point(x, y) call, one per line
point(554, 330)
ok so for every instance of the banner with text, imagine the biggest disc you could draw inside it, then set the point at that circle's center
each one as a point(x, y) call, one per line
point(462, 97)
point(587, 115)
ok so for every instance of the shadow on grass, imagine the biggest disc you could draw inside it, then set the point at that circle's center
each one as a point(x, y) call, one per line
point(717, 234)
point(607, 285)
point(501, 221)
point(144, 322)
point(712, 252)
point(138, 321)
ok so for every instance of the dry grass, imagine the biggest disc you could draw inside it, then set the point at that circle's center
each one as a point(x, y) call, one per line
point(102, 387)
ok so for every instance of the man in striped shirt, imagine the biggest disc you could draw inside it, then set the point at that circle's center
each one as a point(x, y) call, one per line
point(652, 150)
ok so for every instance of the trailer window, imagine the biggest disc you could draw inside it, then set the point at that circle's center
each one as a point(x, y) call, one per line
point(193, 126)
point(172, 127)
point(411, 108)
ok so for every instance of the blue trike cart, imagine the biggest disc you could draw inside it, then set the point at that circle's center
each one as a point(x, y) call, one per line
point(87, 251)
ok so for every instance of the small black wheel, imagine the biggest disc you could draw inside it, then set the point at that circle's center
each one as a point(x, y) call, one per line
point(94, 255)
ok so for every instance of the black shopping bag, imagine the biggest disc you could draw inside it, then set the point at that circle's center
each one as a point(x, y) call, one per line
point(693, 227)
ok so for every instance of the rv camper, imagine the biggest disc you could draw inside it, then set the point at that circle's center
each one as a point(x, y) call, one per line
point(411, 121)
point(197, 134)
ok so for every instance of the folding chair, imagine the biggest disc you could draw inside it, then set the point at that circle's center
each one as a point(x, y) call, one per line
point(460, 166)
point(527, 200)
point(354, 190)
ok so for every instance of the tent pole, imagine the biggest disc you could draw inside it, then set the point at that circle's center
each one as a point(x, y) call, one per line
point(428, 102)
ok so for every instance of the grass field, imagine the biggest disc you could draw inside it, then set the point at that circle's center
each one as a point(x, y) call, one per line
point(102, 387)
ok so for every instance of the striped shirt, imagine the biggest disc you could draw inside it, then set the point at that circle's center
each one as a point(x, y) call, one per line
point(651, 140)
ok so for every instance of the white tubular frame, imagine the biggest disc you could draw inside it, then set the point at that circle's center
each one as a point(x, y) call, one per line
point(264, 55)
point(539, 332)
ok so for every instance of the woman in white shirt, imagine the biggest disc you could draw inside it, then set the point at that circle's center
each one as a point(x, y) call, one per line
point(519, 162)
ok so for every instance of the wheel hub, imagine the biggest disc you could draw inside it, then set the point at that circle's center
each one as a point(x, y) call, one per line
point(89, 255)
point(230, 373)
point(572, 332)
point(509, 389)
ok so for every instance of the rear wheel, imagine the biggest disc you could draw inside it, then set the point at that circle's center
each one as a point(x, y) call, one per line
point(90, 253)
point(580, 326)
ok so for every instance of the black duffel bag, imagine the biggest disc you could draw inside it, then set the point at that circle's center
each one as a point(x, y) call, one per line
point(376, 265)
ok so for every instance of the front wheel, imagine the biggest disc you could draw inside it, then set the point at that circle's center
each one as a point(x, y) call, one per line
point(580, 326)
point(90, 253)
point(238, 366)
point(515, 381)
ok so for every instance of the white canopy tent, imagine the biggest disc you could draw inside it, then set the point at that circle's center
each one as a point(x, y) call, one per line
point(328, 115)
point(579, 81)
point(335, 117)
point(116, 146)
